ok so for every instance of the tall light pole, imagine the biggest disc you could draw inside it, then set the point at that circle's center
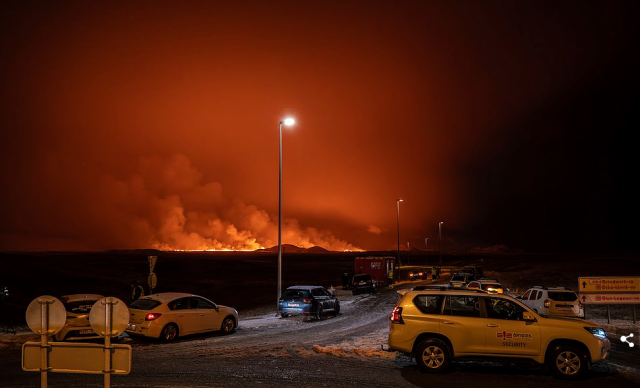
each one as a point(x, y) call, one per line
point(440, 240)
point(396, 273)
point(287, 121)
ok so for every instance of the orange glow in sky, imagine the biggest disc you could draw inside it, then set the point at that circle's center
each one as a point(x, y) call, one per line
point(155, 124)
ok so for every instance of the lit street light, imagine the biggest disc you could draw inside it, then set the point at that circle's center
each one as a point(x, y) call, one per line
point(396, 272)
point(287, 121)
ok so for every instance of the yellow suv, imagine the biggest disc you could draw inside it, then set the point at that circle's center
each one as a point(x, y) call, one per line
point(437, 326)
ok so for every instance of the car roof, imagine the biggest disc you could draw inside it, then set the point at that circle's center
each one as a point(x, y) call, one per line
point(303, 287)
point(168, 296)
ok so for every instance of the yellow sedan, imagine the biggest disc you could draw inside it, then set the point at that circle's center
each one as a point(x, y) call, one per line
point(170, 315)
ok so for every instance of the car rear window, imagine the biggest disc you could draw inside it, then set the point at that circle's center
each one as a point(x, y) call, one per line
point(144, 304)
point(358, 278)
point(302, 294)
point(80, 307)
point(563, 296)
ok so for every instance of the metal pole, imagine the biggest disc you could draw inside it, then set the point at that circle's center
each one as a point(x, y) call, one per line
point(426, 250)
point(440, 241)
point(279, 223)
point(107, 343)
point(396, 273)
point(44, 342)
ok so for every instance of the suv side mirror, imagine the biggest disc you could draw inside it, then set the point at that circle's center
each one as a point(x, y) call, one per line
point(527, 316)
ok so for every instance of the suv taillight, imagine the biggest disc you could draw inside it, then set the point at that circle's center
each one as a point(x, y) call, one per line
point(152, 316)
point(547, 303)
point(306, 300)
point(396, 315)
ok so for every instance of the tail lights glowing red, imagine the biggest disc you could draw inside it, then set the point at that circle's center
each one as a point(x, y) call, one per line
point(396, 315)
point(306, 300)
point(152, 316)
point(547, 303)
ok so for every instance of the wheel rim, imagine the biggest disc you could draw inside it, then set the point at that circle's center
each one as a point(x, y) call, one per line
point(433, 357)
point(170, 332)
point(568, 363)
point(227, 325)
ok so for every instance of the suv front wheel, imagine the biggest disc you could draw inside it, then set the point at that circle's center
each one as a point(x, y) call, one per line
point(433, 356)
point(567, 362)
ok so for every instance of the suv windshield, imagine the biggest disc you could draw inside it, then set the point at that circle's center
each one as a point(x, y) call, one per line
point(563, 296)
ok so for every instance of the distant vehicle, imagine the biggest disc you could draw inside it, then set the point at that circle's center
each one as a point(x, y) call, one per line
point(473, 270)
point(170, 315)
point(363, 283)
point(418, 274)
point(312, 301)
point(491, 286)
point(77, 326)
point(376, 266)
point(549, 301)
point(436, 327)
point(461, 279)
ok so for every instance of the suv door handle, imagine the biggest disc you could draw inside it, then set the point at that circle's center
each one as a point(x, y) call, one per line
point(493, 325)
point(448, 323)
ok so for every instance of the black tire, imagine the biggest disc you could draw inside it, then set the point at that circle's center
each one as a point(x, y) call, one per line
point(228, 325)
point(336, 308)
point(319, 312)
point(567, 362)
point(169, 332)
point(433, 356)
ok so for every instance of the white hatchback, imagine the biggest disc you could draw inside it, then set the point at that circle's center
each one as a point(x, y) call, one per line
point(553, 301)
point(170, 315)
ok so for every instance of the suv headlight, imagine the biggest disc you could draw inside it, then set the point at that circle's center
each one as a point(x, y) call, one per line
point(597, 331)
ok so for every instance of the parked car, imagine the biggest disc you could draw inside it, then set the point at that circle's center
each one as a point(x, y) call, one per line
point(170, 315)
point(363, 283)
point(473, 270)
point(492, 286)
point(312, 301)
point(77, 326)
point(436, 327)
point(460, 280)
point(553, 301)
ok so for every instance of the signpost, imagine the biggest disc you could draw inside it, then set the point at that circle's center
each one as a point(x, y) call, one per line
point(610, 290)
point(152, 279)
point(46, 316)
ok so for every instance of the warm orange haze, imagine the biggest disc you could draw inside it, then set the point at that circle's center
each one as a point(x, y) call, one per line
point(137, 125)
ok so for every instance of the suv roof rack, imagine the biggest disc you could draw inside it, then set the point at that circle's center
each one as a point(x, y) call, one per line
point(429, 287)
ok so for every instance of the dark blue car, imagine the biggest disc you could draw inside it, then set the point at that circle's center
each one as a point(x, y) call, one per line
point(312, 301)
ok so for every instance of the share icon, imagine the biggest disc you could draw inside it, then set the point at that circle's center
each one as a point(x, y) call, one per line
point(624, 339)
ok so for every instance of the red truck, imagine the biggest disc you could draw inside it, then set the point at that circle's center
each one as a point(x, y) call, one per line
point(377, 266)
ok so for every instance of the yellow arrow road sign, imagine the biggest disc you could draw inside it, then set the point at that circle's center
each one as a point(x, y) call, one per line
point(609, 284)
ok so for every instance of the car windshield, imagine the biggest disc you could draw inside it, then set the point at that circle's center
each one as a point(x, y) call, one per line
point(563, 296)
point(359, 278)
point(145, 304)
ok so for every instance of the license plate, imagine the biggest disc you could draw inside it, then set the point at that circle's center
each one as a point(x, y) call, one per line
point(293, 305)
point(86, 331)
point(565, 309)
point(131, 327)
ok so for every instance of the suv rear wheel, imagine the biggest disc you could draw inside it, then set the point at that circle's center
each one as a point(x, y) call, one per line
point(567, 362)
point(433, 356)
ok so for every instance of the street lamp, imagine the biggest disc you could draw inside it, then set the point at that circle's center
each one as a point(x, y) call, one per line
point(288, 121)
point(440, 240)
point(396, 273)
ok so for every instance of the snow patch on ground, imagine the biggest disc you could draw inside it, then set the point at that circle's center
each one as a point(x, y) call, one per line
point(365, 346)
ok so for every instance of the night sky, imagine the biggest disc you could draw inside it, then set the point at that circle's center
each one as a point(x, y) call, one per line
point(154, 124)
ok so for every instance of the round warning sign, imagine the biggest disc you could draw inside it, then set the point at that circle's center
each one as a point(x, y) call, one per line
point(46, 311)
point(112, 308)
